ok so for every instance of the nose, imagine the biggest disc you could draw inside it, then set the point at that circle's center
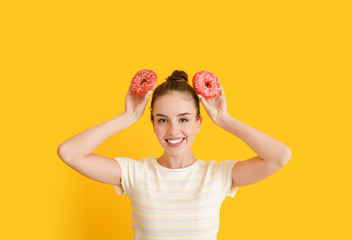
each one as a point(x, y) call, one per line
point(173, 129)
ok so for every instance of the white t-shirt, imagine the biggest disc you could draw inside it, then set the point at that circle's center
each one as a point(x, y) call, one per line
point(179, 203)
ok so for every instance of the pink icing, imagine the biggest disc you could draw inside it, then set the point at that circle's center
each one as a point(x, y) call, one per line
point(143, 81)
point(206, 84)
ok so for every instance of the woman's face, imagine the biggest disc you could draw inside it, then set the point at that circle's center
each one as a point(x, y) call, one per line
point(175, 123)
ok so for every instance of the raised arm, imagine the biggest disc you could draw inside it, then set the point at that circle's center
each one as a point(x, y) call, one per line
point(272, 154)
point(77, 152)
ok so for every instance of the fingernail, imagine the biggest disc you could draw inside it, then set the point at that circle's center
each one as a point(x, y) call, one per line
point(200, 96)
point(150, 92)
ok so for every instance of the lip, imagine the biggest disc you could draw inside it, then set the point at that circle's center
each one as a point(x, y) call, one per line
point(174, 145)
point(174, 138)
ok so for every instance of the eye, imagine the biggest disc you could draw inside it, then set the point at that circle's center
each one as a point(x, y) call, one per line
point(161, 120)
point(184, 120)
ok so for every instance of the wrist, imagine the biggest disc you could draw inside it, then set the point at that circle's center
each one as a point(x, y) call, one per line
point(131, 117)
point(222, 119)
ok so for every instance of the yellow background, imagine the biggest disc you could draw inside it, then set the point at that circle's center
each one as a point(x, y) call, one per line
point(286, 70)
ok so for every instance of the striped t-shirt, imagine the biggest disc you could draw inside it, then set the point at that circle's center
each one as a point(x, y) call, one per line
point(181, 203)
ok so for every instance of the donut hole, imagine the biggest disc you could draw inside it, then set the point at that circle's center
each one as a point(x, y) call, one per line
point(207, 84)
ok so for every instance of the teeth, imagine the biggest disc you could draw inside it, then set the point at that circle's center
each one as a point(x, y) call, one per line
point(175, 141)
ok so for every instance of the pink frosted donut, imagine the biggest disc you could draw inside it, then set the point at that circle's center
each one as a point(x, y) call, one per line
point(144, 81)
point(206, 84)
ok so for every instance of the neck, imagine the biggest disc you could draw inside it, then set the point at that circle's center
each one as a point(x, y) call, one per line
point(176, 161)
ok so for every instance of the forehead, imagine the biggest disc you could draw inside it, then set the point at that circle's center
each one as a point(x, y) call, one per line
point(174, 103)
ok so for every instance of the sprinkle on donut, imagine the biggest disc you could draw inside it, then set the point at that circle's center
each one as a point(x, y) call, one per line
point(144, 81)
point(206, 84)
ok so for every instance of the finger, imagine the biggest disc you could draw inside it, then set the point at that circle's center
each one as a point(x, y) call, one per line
point(222, 92)
point(148, 94)
point(203, 101)
point(129, 90)
point(146, 97)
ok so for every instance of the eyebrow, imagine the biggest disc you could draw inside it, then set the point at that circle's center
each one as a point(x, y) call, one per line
point(181, 114)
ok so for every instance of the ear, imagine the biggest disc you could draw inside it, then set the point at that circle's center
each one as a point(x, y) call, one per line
point(199, 122)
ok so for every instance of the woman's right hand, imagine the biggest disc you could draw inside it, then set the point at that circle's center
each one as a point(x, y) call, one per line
point(135, 104)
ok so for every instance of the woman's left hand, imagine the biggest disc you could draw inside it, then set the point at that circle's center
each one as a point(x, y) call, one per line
point(216, 107)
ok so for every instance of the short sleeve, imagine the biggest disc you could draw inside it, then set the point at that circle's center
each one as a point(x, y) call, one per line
point(129, 169)
point(226, 177)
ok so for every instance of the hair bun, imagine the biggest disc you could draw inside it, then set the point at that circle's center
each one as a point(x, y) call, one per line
point(178, 75)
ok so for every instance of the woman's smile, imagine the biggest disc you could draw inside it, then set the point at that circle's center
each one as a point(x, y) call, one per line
point(175, 142)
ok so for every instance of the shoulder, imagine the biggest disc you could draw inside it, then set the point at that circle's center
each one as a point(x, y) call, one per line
point(127, 161)
point(148, 159)
point(221, 164)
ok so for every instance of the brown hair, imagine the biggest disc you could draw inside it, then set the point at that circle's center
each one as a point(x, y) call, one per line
point(178, 81)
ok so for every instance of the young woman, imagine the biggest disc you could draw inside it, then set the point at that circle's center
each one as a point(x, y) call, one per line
point(175, 196)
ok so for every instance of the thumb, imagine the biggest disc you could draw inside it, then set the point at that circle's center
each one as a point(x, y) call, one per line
point(147, 95)
point(203, 101)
